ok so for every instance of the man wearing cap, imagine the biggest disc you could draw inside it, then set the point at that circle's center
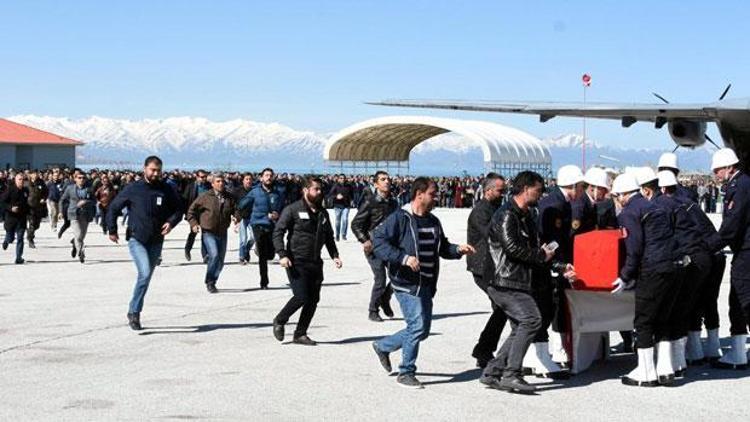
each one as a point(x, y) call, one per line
point(668, 161)
point(734, 233)
point(554, 225)
point(649, 245)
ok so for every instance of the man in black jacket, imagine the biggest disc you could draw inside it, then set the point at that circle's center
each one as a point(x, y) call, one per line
point(37, 205)
point(493, 188)
point(309, 228)
point(154, 209)
point(513, 259)
point(373, 211)
point(16, 204)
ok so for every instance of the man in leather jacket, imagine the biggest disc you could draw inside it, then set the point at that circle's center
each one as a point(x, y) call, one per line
point(373, 211)
point(514, 257)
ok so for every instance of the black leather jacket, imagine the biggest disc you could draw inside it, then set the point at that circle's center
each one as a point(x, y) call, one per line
point(373, 211)
point(514, 251)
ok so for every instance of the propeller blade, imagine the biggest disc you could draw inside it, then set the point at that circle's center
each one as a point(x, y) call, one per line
point(660, 97)
point(675, 149)
point(724, 94)
point(708, 138)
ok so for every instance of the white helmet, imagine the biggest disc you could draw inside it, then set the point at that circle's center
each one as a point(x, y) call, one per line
point(624, 183)
point(667, 178)
point(645, 175)
point(724, 157)
point(597, 177)
point(668, 160)
point(569, 175)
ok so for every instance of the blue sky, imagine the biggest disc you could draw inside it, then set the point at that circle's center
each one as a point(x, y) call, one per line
point(311, 64)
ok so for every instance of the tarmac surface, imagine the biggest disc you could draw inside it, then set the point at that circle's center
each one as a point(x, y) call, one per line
point(66, 352)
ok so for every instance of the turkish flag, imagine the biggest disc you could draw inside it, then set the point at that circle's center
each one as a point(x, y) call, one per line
point(586, 79)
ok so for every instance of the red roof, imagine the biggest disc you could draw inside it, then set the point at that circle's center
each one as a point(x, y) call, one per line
point(16, 133)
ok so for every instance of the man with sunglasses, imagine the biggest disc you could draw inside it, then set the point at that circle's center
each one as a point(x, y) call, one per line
point(375, 208)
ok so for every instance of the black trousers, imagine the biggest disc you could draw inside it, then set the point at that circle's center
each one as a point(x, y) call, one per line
point(691, 280)
point(708, 296)
point(739, 295)
point(35, 220)
point(525, 321)
point(264, 249)
point(190, 241)
point(490, 336)
point(654, 300)
point(306, 280)
point(381, 290)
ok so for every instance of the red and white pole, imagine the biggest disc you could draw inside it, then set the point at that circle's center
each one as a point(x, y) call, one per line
point(586, 83)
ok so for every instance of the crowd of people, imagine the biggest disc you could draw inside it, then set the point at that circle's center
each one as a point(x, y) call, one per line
point(519, 245)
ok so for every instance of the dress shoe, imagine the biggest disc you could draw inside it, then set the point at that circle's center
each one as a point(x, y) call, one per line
point(374, 317)
point(187, 256)
point(5, 245)
point(211, 287)
point(73, 251)
point(387, 310)
point(278, 331)
point(305, 341)
point(20, 261)
point(516, 384)
point(491, 382)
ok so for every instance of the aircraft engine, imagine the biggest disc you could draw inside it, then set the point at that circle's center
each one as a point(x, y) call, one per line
point(687, 133)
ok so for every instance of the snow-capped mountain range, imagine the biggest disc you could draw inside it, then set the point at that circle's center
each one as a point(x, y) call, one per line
point(191, 142)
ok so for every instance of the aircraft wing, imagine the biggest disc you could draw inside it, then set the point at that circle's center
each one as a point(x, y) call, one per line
point(627, 113)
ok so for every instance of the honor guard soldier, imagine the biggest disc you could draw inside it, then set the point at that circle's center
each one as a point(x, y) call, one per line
point(649, 245)
point(734, 232)
point(555, 224)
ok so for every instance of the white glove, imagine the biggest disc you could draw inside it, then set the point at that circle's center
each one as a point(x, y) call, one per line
point(619, 285)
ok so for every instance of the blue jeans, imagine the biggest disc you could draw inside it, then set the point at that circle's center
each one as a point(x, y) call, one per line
point(16, 235)
point(417, 311)
point(246, 239)
point(342, 221)
point(145, 257)
point(216, 250)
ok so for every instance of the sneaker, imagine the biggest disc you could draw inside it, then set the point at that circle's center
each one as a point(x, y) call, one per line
point(243, 261)
point(409, 381)
point(305, 341)
point(374, 317)
point(384, 358)
point(187, 255)
point(211, 287)
point(516, 384)
point(278, 331)
point(134, 321)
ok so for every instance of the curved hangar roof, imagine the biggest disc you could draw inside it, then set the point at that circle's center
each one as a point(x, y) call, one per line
point(393, 138)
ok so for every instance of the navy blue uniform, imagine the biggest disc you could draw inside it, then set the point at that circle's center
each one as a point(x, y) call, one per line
point(649, 249)
point(554, 223)
point(734, 232)
point(583, 213)
point(686, 193)
point(693, 275)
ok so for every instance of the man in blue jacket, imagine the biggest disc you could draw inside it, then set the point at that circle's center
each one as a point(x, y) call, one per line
point(411, 242)
point(154, 209)
point(264, 203)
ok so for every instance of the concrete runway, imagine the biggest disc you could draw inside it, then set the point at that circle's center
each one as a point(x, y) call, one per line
point(66, 352)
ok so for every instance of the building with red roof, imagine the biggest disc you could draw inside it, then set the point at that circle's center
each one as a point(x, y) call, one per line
point(24, 147)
